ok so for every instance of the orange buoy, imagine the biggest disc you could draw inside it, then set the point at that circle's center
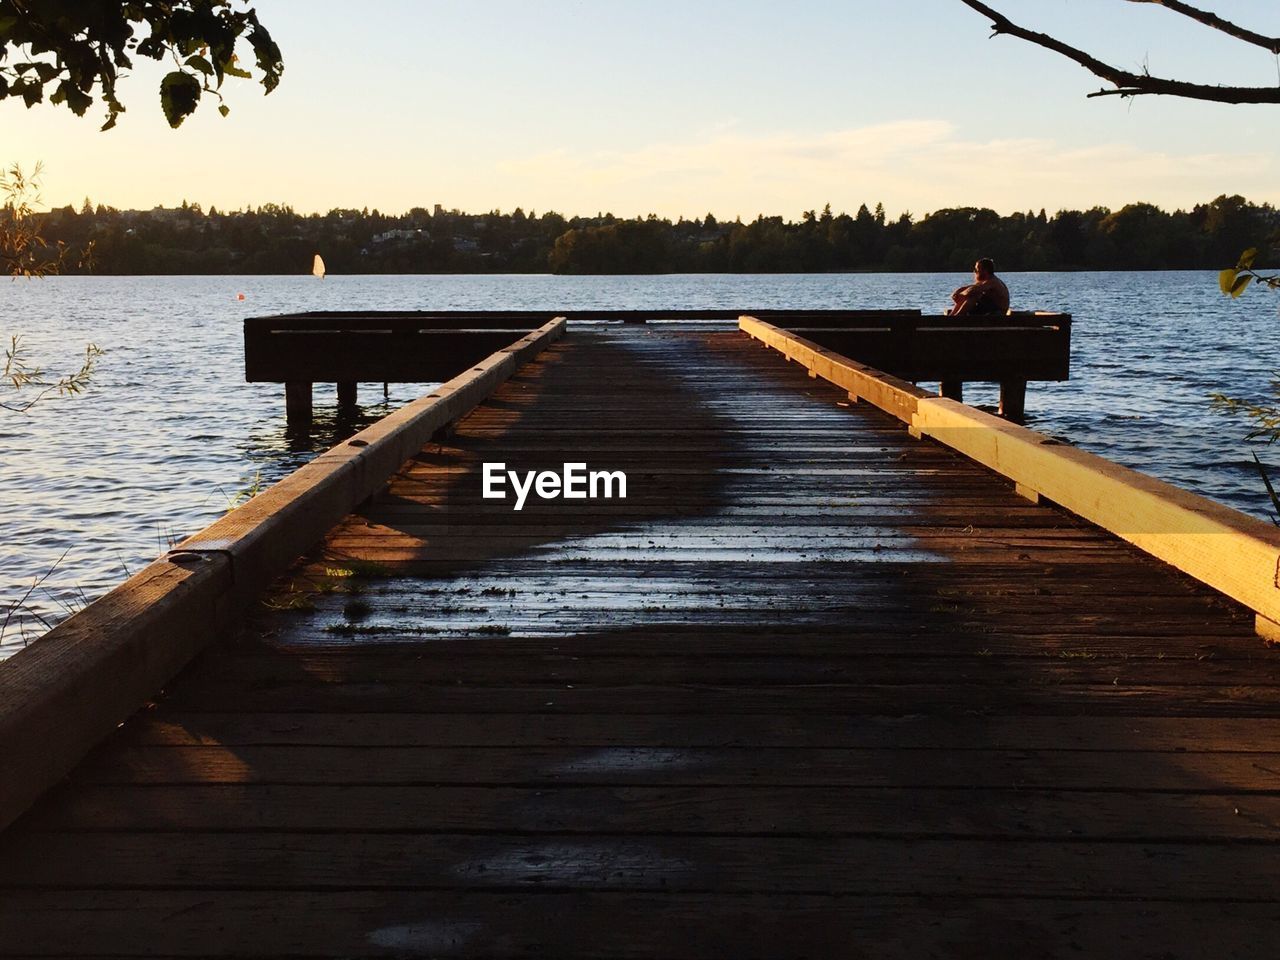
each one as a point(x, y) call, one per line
point(239, 296)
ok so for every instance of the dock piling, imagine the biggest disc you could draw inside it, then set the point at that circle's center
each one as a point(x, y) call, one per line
point(297, 402)
point(1013, 400)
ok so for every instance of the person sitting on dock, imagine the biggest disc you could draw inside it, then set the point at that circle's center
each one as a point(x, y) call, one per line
point(987, 295)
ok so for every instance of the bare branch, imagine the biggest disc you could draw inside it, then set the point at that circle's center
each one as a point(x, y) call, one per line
point(1127, 84)
point(1211, 19)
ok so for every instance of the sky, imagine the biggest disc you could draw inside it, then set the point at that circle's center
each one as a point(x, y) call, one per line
point(684, 108)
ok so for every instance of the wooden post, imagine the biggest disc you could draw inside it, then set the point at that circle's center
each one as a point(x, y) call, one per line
point(297, 402)
point(1013, 400)
point(346, 393)
point(952, 390)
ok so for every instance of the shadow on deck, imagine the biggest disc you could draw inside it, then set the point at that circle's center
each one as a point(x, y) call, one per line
point(813, 689)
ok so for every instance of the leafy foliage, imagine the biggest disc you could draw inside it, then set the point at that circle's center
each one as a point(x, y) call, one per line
point(1265, 416)
point(68, 50)
point(1266, 421)
point(19, 373)
point(25, 253)
point(1235, 281)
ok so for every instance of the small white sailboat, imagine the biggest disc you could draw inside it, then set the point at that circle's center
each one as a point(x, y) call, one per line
point(317, 267)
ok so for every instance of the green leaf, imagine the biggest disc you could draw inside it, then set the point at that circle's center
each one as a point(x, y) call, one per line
point(201, 64)
point(73, 96)
point(78, 101)
point(1242, 281)
point(1227, 280)
point(179, 94)
point(231, 70)
point(1247, 258)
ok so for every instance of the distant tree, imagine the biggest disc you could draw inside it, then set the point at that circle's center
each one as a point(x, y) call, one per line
point(629, 246)
point(267, 238)
point(1139, 232)
point(1125, 83)
point(72, 49)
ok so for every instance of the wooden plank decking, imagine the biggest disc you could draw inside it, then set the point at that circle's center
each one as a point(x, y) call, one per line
point(814, 689)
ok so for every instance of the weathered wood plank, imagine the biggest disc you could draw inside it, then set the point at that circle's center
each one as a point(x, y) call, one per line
point(163, 726)
point(923, 767)
point(903, 699)
point(653, 864)
point(436, 668)
point(626, 926)
point(1048, 746)
point(675, 810)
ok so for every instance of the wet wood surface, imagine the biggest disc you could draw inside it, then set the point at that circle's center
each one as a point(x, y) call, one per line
point(813, 689)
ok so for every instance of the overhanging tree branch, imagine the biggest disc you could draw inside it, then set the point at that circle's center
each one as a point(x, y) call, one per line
point(66, 51)
point(1211, 19)
point(1128, 84)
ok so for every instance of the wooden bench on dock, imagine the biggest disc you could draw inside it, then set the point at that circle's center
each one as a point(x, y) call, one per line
point(348, 348)
point(1009, 350)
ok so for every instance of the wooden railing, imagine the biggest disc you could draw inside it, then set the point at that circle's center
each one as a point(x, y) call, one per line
point(347, 348)
point(1009, 350)
point(70, 688)
point(1232, 552)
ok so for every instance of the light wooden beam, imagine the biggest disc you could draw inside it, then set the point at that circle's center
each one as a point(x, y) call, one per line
point(1230, 551)
point(68, 690)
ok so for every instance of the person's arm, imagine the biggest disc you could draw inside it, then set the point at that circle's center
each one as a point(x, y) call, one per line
point(969, 296)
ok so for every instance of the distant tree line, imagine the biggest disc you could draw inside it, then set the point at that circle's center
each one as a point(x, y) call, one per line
point(274, 239)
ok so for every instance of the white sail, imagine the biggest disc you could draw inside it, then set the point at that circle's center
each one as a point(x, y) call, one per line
point(317, 267)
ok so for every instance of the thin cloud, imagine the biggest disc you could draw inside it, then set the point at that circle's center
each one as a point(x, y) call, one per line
point(918, 165)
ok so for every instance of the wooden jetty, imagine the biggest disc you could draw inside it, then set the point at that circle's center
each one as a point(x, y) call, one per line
point(814, 688)
point(345, 348)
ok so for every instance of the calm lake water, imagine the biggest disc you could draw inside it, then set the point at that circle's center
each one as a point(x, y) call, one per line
point(94, 487)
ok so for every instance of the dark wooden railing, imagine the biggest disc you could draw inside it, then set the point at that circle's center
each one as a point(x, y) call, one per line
point(348, 348)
